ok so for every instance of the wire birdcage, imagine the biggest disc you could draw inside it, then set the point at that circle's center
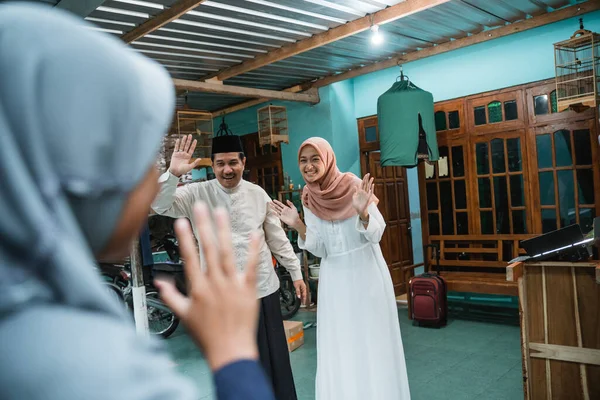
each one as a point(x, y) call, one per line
point(196, 123)
point(272, 125)
point(577, 64)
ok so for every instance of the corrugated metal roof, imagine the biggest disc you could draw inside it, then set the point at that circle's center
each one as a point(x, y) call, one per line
point(221, 33)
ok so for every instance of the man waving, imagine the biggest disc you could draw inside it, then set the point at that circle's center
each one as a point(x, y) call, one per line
point(249, 212)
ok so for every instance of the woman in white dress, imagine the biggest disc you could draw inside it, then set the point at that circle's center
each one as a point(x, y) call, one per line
point(359, 347)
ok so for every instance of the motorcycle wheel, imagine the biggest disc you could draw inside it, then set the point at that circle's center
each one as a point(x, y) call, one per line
point(160, 322)
point(114, 292)
point(288, 301)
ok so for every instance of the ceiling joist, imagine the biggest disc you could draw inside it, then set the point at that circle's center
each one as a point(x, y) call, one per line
point(384, 16)
point(520, 26)
point(170, 14)
point(311, 97)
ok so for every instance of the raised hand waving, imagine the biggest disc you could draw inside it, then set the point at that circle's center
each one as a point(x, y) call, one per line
point(181, 160)
point(363, 195)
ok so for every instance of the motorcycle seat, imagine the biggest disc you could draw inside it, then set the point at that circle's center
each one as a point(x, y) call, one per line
point(168, 267)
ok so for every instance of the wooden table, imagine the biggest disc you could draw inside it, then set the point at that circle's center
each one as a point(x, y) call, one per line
point(559, 306)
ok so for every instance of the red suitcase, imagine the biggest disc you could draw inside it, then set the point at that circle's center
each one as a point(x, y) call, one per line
point(429, 297)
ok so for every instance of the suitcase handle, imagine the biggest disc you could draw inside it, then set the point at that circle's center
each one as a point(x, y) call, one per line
point(435, 252)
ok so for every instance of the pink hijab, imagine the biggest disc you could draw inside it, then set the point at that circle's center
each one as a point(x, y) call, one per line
point(331, 198)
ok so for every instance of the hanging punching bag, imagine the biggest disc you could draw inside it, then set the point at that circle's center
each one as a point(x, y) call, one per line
point(406, 125)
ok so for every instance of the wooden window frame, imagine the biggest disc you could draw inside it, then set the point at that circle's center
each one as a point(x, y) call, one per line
point(595, 167)
point(521, 134)
point(363, 124)
point(449, 143)
point(447, 107)
point(495, 127)
point(550, 118)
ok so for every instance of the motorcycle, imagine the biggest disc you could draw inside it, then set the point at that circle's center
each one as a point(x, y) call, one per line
point(288, 301)
point(161, 320)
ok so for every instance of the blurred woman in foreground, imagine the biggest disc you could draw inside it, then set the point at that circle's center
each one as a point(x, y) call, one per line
point(82, 117)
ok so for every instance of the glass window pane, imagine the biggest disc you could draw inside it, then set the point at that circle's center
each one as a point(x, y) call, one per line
point(443, 151)
point(553, 103)
point(495, 111)
point(517, 193)
point(462, 223)
point(434, 224)
point(480, 118)
point(453, 120)
point(487, 222)
point(447, 213)
point(432, 196)
point(585, 181)
point(440, 121)
point(460, 194)
point(583, 147)
point(483, 165)
point(498, 164)
point(458, 161)
point(566, 198)
point(371, 134)
point(540, 104)
point(586, 219)
point(547, 189)
point(501, 203)
point(485, 193)
point(519, 223)
point(562, 148)
point(549, 220)
point(510, 110)
point(544, 150)
point(513, 148)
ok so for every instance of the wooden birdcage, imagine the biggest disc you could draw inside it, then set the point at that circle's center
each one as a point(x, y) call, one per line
point(199, 124)
point(577, 63)
point(272, 125)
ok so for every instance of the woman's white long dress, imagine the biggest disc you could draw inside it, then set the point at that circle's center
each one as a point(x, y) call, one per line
point(359, 347)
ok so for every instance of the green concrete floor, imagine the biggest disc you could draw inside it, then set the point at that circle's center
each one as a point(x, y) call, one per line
point(465, 360)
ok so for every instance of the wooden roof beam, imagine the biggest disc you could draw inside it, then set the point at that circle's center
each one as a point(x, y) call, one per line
point(384, 16)
point(516, 27)
point(255, 102)
point(170, 14)
point(205, 87)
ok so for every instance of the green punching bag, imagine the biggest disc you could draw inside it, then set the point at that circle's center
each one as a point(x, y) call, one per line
point(406, 125)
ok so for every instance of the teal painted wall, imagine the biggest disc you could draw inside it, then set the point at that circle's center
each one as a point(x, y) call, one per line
point(516, 59)
point(344, 128)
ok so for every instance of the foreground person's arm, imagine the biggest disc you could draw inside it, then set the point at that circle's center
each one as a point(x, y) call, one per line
point(221, 311)
point(242, 380)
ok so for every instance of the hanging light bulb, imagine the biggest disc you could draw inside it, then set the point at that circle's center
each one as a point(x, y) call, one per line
point(376, 36)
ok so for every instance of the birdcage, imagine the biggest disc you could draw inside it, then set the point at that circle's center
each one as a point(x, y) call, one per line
point(577, 62)
point(272, 125)
point(196, 123)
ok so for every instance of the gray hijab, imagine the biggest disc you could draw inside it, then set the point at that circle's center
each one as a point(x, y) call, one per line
point(81, 117)
point(81, 121)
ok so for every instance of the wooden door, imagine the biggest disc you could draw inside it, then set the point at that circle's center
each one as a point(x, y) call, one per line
point(391, 187)
point(263, 165)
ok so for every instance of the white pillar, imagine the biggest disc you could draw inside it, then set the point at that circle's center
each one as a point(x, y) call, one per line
point(140, 309)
